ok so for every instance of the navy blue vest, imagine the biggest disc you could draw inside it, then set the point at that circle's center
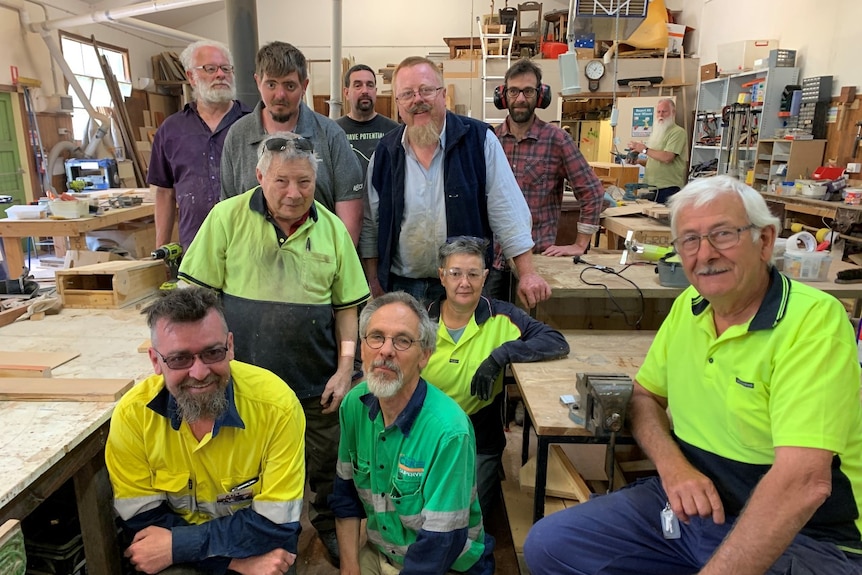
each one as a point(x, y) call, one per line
point(463, 186)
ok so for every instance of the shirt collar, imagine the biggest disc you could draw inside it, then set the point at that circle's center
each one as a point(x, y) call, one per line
point(408, 415)
point(165, 405)
point(533, 133)
point(481, 314)
point(772, 309)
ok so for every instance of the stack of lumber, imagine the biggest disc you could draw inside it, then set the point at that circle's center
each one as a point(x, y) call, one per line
point(26, 376)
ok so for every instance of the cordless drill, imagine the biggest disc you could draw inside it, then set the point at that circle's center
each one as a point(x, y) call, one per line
point(172, 254)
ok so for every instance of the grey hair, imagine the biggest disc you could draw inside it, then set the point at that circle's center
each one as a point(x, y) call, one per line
point(466, 245)
point(265, 156)
point(186, 305)
point(669, 101)
point(188, 54)
point(702, 191)
point(427, 328)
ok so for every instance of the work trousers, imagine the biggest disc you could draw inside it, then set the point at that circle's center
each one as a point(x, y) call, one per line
point(620, 534)
point(321, 455)
point(372, 562)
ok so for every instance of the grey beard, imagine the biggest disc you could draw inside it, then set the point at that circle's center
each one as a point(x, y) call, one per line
point(381, 387)
point(215, 96)
point(193, 409)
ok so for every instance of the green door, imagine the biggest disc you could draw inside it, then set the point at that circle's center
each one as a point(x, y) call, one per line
point(11, 174)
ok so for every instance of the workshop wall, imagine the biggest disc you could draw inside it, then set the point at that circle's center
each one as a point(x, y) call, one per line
point(824, 34)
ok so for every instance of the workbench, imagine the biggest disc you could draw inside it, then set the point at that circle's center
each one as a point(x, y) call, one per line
point(646, 230)
point(542, 383)
point(844, 215)
point(12, 231)
point(570, 296)
point(46, 443)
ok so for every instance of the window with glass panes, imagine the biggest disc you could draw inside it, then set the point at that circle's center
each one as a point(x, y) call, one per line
point(82, 58)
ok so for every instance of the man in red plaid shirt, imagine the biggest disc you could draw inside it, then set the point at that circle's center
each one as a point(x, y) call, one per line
point(542, 156)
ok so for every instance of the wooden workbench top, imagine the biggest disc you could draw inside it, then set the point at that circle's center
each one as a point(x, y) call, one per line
point(542, 383)
point(36, 435)
point(564, 277)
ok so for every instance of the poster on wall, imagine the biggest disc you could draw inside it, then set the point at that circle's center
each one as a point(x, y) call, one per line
point(642, 121)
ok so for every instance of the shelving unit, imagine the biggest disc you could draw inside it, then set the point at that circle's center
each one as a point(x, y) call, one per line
point(786, 160)
point(711, 138)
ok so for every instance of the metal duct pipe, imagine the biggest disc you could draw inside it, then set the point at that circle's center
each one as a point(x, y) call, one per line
point(145, 26)
point(117, 13)
point(335, 103)
point(101, 119)
point(242, 39)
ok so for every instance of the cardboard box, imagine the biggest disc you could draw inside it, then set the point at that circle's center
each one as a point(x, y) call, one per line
point(708, 72)
point(675, 37)
point(740, 56)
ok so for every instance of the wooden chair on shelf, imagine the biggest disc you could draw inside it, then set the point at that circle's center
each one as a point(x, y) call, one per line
point(529, 30)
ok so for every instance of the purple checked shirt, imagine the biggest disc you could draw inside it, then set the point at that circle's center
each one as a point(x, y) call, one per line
point(187, 157)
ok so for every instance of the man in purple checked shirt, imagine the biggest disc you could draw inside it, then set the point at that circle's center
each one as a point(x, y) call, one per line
point(185, 163)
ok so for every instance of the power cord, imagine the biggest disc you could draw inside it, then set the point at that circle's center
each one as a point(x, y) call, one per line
point(609, 270)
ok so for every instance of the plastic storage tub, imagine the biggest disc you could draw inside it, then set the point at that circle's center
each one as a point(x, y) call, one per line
point(25, 212)
point(811, 266)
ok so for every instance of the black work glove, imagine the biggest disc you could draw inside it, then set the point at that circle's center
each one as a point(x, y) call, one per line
point(483, 379)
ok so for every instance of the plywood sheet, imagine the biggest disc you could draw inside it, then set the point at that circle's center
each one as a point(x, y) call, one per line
point(55, 389)
point(36, 358)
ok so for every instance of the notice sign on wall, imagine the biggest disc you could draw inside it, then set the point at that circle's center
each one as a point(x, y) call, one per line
point(642, 121)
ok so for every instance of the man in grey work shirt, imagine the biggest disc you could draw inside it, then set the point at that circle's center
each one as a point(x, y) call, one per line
point(439, 176)
point(281, 73)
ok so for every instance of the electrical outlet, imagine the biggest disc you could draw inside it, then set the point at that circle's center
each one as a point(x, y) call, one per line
point(854, 168)
point(63, 131)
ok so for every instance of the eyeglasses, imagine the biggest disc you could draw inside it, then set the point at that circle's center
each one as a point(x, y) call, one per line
point(280, 144)
point(212, 68)
point(720, 239)
point(458, 274)
point(186, 360)
point(399, 342)
point(427, 93)
point(529, 93)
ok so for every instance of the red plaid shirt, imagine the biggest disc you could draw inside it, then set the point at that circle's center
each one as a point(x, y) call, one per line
point(541, 161)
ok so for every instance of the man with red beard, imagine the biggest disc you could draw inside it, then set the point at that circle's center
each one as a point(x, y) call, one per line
point(206, 456)
point(281, 73)
point(187, 149)
point(542, 157)
point(406, 459)
point(441, 175)
point(363, 125)
point(665, 152)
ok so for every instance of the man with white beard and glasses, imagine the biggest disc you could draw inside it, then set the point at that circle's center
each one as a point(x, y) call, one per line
point(406, 459)
point(185, 163)
point(665, 152)
point(440, 175)
point(206, 456)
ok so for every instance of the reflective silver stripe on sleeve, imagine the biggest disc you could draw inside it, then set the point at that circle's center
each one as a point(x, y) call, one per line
point(440, 521)
point(375, 537)
point(344, 469)
point(129, 507)
point(279, 512)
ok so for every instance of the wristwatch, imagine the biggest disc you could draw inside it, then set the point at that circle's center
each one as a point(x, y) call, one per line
point(646, 149)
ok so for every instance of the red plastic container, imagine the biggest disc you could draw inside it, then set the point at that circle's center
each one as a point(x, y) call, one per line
point(552, 50)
